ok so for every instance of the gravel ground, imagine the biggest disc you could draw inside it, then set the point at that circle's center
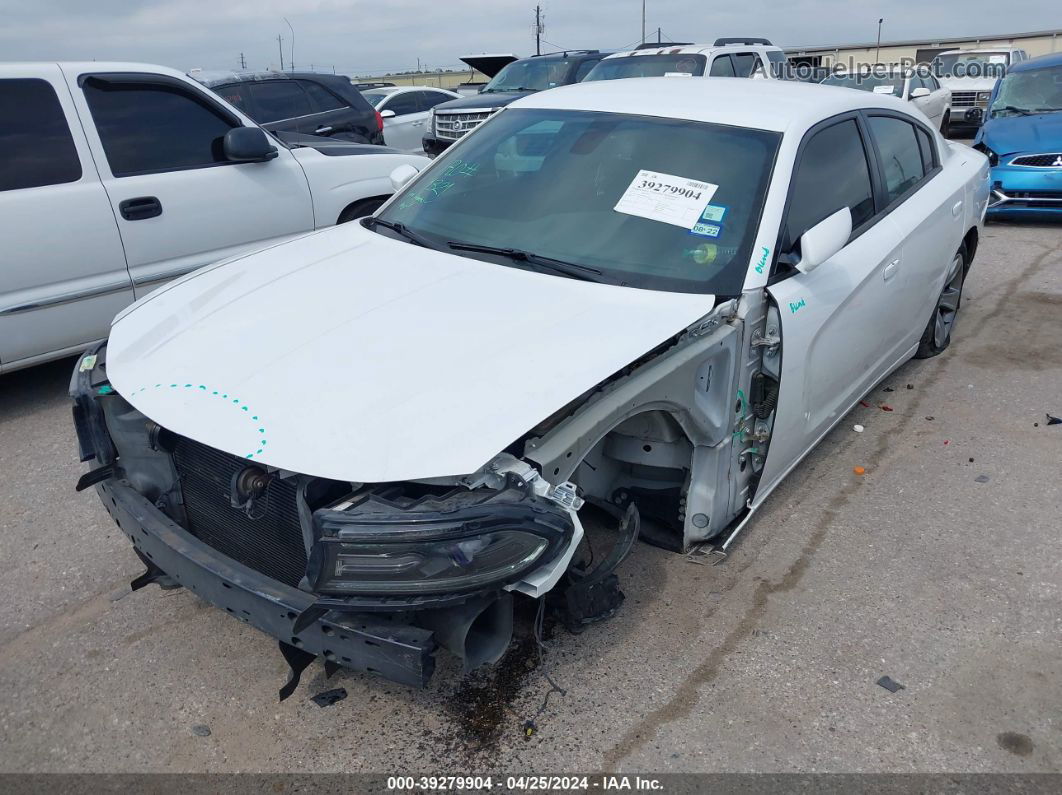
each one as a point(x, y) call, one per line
point(921, 570)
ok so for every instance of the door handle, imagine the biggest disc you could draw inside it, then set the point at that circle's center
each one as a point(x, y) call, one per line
point(322, 130)
point(956, 208)
point(890, 269)
point(140, 208)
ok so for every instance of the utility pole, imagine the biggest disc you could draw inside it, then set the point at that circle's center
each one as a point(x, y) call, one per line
point(280, 46)
point(291, 64)
point(418, 66)
point(538, 30)
point(877, 50)
point(243, 62)
point(643, 21)
point(658, 36)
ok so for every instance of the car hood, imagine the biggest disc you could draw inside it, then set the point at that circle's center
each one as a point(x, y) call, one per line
point(968, 83)
point(349, 355)
point(1042, 132)
point(498, 99)
point(334, 147)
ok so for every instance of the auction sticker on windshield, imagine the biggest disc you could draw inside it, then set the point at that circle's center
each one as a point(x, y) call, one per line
point(666, 198)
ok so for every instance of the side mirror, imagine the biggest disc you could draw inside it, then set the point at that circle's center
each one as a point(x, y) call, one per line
point(387, 114)
point(401, 175)
point(248, 145)
point(921, 91)
point(824, 240)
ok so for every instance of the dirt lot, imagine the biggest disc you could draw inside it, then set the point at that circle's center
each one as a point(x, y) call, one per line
point(921, 570)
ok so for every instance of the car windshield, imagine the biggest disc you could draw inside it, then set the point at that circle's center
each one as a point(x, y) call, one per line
point(1030, 91)
point(649, 202)
point(878, 85)
point(376, 96)
point(647, 66)
point(971, 64)
point(529, 75)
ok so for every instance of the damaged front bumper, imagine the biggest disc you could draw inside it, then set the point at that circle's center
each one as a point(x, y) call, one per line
point(369, 577)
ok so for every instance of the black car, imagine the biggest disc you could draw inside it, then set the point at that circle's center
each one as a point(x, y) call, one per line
point(300, 102)
point(511, 79)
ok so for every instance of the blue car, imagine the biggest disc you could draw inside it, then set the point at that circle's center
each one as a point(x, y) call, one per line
point(1022, 137)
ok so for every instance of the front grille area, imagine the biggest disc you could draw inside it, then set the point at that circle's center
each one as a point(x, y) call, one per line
point(271, 544)
point(452, 126)
point(1049, 160)
point(963, 99)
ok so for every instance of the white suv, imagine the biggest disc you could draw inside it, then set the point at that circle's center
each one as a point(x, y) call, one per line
point(736, 57)
point(971, 75)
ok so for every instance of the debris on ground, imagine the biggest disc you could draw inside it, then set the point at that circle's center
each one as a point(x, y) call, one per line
point(971, 459)
point(947, 441)
point(888, 389)
point(910, 386)
point(1053, 420)
point(884, 407)
point(930, 418)
point(981, 479)
point(859, 470)
point(890, 684)
point(864, 404)
point(201, 730)
point(858, 428)
point(329, 697)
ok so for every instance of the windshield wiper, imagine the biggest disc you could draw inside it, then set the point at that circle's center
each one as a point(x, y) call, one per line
point(572, 269)
point(399, 228)
point(1013, 109)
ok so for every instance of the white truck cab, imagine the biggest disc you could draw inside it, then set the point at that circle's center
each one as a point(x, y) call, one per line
point(117, 177)
point(727, 57)
point(971, 75)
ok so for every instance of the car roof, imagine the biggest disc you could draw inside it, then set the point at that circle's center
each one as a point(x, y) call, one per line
point(220, 77)
point(692, 49)
point(1054, 59)
point(981, 49)
point(388, 90)
point(779, 105)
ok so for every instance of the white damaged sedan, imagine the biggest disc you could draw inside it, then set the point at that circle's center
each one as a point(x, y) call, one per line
point(649, 298)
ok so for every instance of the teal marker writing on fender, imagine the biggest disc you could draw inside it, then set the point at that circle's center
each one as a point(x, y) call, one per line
point(794, 306)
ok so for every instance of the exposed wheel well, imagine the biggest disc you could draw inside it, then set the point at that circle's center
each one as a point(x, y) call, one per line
point(970, 242)
point(361, 208)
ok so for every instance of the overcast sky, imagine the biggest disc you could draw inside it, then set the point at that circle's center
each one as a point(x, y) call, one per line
point(361, 37)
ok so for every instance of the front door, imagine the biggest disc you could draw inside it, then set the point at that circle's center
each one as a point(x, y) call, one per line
point(840, 328)
point(406, 128)
point(178, 202)
point(62, 269)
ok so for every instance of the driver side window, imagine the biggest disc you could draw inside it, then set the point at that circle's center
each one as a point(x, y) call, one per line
point(833, 172)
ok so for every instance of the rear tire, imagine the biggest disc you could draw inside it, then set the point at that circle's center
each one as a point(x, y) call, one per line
point(361, 209)
point(937, 336)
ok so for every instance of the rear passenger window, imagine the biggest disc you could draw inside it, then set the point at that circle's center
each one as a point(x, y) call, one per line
point(235, 94)
point(722, 67)
point(901, 155)
point(147, 128)
point(429, 99)
point(279, 99)
point(833, 173)
point(925, 144)
point(583, 70)
point(321, 98)
point(34, 137)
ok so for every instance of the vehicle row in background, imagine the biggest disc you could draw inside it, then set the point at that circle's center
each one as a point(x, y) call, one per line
point(970, 75)
point(116, 178)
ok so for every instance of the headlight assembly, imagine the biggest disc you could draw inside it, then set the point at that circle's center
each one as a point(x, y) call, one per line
point(461, 543)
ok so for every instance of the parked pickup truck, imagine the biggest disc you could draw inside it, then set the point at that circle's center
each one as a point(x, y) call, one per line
point(117, 177)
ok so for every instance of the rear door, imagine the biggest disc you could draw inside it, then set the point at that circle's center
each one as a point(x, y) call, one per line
point(332, 115)
point(62, 270)
point(178, 202)
point(928, 211)
point(843, 325)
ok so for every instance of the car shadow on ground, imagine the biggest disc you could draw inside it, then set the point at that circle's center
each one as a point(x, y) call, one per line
point(26, 391)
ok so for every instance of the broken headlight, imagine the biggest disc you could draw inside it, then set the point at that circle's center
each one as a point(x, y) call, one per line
point(394, 551)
